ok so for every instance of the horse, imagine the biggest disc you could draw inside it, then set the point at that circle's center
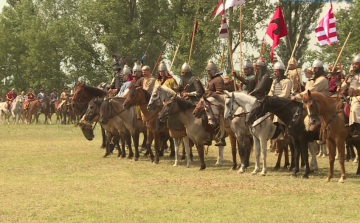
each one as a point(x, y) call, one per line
point(330, 111)
point(16, 109)
point(44, 108)
point(139, 96)
point(82, 95)
point(92, 114)
point(292, 114)
point(238, 105)
point(194, 128)
point(162, 94)
point(113, 111)
point(213, 106)
point(4, 111)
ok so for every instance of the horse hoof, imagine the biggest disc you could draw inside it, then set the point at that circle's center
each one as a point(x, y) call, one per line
point(263, 174)
point(254, 172)
point(202, 167)
point(175, 165)
point(327, 179)
point(233, 168)
point(187, 166)
point(218, 164)
point(305, 177)
point(294, 175)
point(182, 157)
point(341, 180)
point(136, 158)
point(276, 168)
point(102, 147)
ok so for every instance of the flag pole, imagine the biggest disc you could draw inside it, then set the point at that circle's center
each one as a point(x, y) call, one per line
point(338, 58)
point(192, 41)
point(222, 60)
point(292, 53)
point(289, 42)
point(177, 49)
point(341, 72)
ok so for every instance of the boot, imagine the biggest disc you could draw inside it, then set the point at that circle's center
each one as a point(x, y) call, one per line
point(355, 133)
point(221, 142)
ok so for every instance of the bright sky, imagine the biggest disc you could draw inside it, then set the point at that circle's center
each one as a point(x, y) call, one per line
point(2, 3)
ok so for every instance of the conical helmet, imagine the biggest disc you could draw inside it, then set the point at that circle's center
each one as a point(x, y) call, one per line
point(247, 64)
point(126, 72)
point(185, 67)
point(260, 62)
point(162, 66)
point(293, 61)
point(317, 63)
point(115, 62)
point(357, 58)
point(136, 70)
point(279, 66)
point(212, 67)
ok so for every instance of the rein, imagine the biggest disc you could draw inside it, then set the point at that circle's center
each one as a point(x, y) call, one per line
point(328, 109)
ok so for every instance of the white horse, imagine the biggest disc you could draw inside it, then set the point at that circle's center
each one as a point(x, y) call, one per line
point(240, 103)
point(162, 94)
point(16, 109)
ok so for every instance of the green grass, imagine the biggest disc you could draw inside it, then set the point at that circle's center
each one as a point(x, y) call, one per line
point(51, 173)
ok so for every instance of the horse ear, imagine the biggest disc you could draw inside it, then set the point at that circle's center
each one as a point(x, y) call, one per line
point(227, 93)
point(82, 84)
point(309, 93)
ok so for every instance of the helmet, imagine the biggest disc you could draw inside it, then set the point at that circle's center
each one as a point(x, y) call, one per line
point(126, 72)
point(136, 70)
point(293, 61)
point(162, 66)
point(357, 58)
point(279, 66)
point(247, 64)
point(331, 66)
point(212, 67)
point(115, 62)
point(317, 63)
point(185, 67)
point(260, 62)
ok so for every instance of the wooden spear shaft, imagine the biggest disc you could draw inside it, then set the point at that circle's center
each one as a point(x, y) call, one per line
point(222, 59)
point(177, 49)
point(338, 58)
point(292, 53)
point(341, 72)
point(156, 63)
point(240, 42)
point(192, 41)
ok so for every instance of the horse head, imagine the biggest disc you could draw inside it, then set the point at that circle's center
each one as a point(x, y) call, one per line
point(135, 96)
point(105, 111)
point(230, 105)
point(311, 104)
point(86, 129)
point(167, 110)
point(93, 109)
point(155, 98)
point(214, 109)
point(199, 109)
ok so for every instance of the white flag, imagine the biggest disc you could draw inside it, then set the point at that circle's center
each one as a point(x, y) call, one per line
point(223, 31)
point(231, 3)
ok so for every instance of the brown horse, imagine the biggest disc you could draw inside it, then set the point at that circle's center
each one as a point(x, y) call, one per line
point(138, 96)
point(45, 109)
point(330, 111)
point(31, 111)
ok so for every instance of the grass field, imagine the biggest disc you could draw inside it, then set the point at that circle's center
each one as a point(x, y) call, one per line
point(51, 173)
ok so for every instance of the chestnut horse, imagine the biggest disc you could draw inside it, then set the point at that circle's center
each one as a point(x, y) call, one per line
point(82, 95)
point(330, 111)
point(139, 96)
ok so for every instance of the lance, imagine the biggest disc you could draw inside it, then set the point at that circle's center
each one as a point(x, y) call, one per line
point(338, 58)
point(222, 59)
point(261, 47)
point(192, 40)
point(157, 63)
point(177, 49)
point(146, 52)
point(293, 52)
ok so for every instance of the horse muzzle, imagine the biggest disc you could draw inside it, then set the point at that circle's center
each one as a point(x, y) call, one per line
point(151, 107)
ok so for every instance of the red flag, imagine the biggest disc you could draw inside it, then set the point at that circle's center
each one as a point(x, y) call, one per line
point(223, 31)
point(276, 29)
point(196, 28)
point(218, 10)
point(326, 30)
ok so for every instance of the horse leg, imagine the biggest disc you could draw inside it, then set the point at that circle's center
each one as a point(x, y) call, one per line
point(332, 147)
point(108, 144)
point(305, 153)
point(200, 148)
point(157, 146)
point(186, 142)
point(313, 150)
point(280, 149)
point(219, 161)
point(122, 150)
point(257, 155)
point(127, 137)
point(293, 153)
point(340, 144)
point(149, 140)
point(103, 145)
point(297, 158)
point(263, 142)
point(233, 151)
point(172, 148)
point(135, 137)
point(177, 144)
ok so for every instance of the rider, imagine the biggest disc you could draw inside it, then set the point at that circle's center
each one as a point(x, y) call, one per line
point(263, 79)
point(190, 86)
point(249, 79)
point(352, 83)
point(63, 97)
point(41, 96)
point(164, 78)
point(294, 74)
point(280, 87)
point(216, 85)
point(125, 86)
point(53, 98)
point(10, 96)
point(334, 78)
point(118, 80)
point(148, 81)
point(29, 98)
point(321, 83)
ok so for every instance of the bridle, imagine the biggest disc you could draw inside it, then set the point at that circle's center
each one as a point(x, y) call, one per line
point(111, 109)
point(171, 105)
point(320, 115)
point(232, 112)
point(209, 104)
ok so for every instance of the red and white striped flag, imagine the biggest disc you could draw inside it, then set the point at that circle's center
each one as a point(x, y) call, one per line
point(219, 9)
point(326, 30)
point(223, 29)
point(232, 3)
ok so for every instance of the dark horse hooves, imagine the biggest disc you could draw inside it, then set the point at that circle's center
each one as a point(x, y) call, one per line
point(182, 157)
point(293, 175)
point(102, 146)
point(276, 168)
point(233, 167)
point(305, 177)
point(202, 167)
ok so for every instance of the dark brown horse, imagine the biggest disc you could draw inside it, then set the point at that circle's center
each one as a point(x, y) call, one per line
point(292, 114)
point(82, 95)
point(44, 108)
point(138, 96)
point(329, 112)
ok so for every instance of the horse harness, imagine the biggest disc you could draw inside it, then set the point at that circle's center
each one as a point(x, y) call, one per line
point(328, 109)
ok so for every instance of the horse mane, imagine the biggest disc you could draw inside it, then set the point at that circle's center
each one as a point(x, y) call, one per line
point(168, 90)
point(184, 104)
point(94, 91)
point(147, 95)
point(217, 97)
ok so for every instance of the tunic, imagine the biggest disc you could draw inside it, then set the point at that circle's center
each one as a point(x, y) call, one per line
point(281, 89)
point(353, 82)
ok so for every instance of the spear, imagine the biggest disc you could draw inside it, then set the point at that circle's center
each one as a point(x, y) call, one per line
point(177, 48)
point(293, 52)
point(192, 40)
point(145, 53)
point(157, 63)
point(338, 58)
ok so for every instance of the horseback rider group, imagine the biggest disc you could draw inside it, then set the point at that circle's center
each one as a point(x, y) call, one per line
point(10, 97)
